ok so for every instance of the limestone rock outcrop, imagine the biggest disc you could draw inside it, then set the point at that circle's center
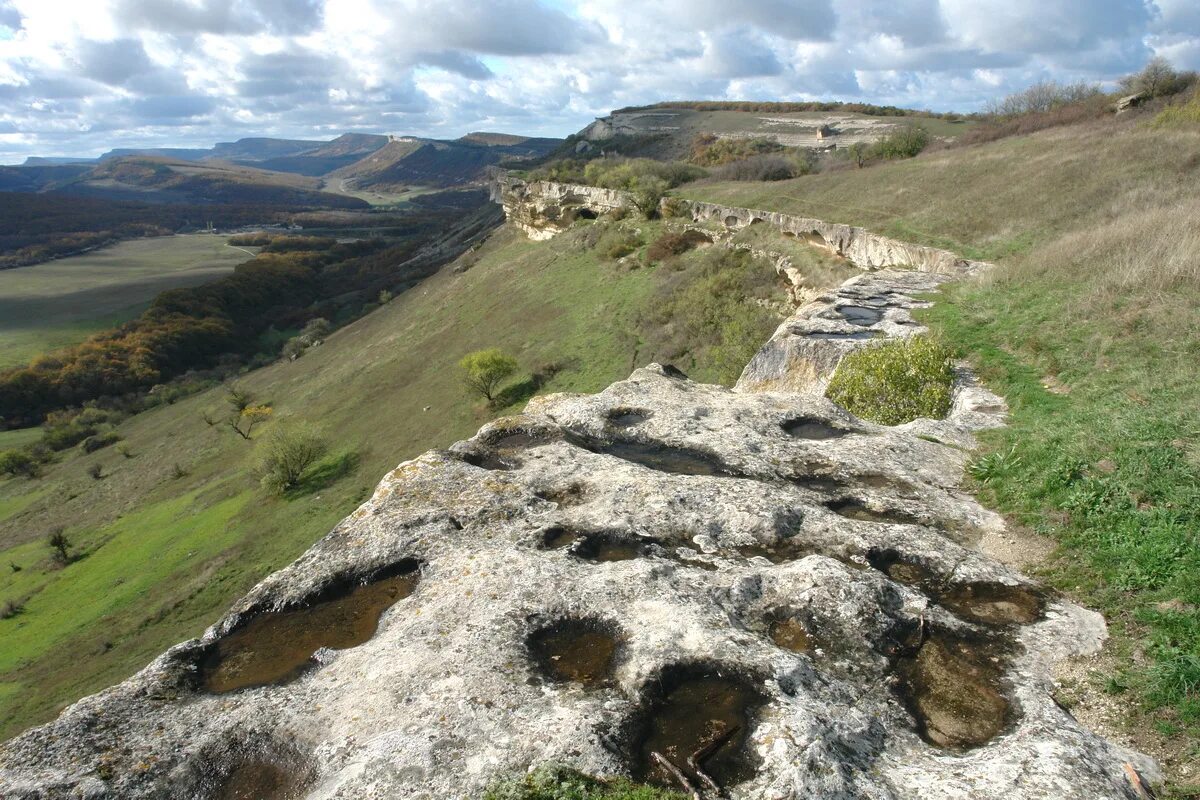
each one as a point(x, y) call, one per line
point(793, 588)
point(543, 209)
point(861, 247)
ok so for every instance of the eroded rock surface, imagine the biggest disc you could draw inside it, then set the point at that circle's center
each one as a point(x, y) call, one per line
point(661, 567)
point(865, 692)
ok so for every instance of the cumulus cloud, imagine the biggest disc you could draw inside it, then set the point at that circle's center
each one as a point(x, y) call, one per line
point(78, 77)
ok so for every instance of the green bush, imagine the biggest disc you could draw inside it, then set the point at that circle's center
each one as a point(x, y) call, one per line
point(561, 783)
point(904, 142)
point(895, 382)
point(284, 455)
point(674, 243)
point(100, 440)
point(18, 462)
point(1178, 116)
point(617, 242)
point(710, 151)
point(485, 370)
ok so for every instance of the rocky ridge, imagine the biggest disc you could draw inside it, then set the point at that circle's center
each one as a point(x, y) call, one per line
point(799, 592)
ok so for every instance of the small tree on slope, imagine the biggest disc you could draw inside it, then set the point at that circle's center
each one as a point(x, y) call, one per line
point(485, 370)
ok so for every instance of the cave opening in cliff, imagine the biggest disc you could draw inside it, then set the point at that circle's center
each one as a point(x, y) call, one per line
point(275, 647)
point(575, 650)
point(695, 725)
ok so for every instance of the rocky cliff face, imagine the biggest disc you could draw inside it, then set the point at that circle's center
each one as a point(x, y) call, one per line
point(543, 209)
point(777, 598)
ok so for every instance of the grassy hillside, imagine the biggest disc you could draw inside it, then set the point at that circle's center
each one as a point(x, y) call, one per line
point(60, 303)
point(994, 200)
point(164, 180)
point(1090, 326)
point(177, 528)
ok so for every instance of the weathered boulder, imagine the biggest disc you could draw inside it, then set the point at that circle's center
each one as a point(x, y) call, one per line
point(665, 568)
point(697, 530)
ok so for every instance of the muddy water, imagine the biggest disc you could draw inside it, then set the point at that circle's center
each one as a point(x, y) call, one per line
point(580, 651)
point(852, 509)
point(261, 780)
point(952, 688)
point(627, 417)
point(675, 460)
point(860, 315)
point(986, 602)
point(993, 603)
point(604, 547)
point(276, 647)
point(790, 635)
point(812, 429)
point(695, 710)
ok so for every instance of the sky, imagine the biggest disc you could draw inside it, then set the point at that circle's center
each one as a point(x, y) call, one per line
point(79, 77)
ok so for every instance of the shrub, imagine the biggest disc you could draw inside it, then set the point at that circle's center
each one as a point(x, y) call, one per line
point(286, 453)
point(60, 545)
point(674, 243)
point(96, 471)
point(710, 151)
point(617, 243)
point(1176, 116)
point(485, 370)
point(764, 168)
point(630, 173)
point(1041, 97)
point(904, 142)
point(648, 192)
point(1157, 79)
point(11, 608)
point(895, 382)
point(245, 421)
point(100, 440)
point(18, 462)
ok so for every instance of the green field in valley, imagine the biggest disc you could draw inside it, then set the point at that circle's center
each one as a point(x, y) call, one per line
point(62, 302)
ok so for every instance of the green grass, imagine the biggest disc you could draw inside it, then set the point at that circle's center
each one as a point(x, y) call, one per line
point(168, 553)
point(62, 302)
point(1111, 468)
point(1090, 327)
point(16, 439)
point(995, 200)
point(552, 782)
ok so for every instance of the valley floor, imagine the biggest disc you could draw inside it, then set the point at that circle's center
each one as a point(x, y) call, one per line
point(62, 302)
